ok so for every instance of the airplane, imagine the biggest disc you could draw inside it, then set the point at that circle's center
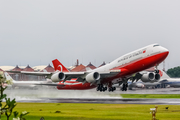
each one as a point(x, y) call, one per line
point(162, 83)
point(131, 85)
point(24, 84)
point(120, 70)
point(71, 84)
point(166, 80)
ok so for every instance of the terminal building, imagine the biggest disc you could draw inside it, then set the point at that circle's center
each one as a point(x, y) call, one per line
point(22, 77)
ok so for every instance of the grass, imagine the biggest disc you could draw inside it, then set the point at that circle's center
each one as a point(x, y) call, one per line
point(150, 95)
point(82, 111)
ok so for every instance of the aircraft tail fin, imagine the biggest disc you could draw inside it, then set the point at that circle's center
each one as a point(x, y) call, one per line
point(59, 66)
point(164, 75)
point(8, 77)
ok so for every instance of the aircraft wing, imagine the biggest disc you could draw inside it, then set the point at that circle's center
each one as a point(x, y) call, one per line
point(36, 73)
point(50, 84)
point(32, 73)
point(69, 75)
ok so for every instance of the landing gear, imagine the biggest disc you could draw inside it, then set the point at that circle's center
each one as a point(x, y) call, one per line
point(156, 71)
point(124, 87)
point(111, 89)
point(102, 88)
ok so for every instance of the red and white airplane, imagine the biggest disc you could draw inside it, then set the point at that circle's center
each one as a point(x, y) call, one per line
point(71, 83)
point(119, 70)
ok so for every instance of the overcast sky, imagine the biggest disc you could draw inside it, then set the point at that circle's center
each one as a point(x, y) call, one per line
point(35, 32)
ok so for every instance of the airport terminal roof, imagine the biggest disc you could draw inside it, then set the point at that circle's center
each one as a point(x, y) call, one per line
point(17, 68)
point(78, 68)
point(91, 66)
point(28, 68)
point(35, 68)
point(39, 68)
point(5, 68)
point(70, 67)
point(102, 64)
point(49, 68)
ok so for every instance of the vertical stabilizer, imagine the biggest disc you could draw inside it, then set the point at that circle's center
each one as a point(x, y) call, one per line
point(164, 75)
point(59, 66)
point(8, 77)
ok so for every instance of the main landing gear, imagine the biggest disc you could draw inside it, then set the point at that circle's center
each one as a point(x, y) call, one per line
point(124, 87)
point(111, 89)
point(101, 88)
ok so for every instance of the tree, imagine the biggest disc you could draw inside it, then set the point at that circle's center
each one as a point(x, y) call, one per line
point(174, 72)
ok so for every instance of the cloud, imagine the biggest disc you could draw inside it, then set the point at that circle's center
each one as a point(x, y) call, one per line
point(41, 30)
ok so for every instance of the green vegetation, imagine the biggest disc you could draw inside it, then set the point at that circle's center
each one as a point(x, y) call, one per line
point(150, 95)
point(7, 108)
point(78, 111)
point(174, 72)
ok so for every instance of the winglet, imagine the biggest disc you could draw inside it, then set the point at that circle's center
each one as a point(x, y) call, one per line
point(59, 66)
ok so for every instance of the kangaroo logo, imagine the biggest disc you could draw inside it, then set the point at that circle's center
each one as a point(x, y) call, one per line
point(60, 68)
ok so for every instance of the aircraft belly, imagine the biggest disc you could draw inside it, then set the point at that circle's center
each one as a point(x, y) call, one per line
point(79, 86)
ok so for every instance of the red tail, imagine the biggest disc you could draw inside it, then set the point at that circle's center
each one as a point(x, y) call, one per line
point(161, 73)
point(58, 66)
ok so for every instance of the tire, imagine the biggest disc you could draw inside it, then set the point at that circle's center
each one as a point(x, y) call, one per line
point(105, 88)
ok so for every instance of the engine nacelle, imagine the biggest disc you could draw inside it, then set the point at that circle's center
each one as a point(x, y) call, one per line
point(150, 77)
point(57, 77)
point(92, 77)
point(157, 77)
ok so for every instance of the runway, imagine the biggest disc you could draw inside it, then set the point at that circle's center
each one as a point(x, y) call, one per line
point(90, 96)
point(105, 101)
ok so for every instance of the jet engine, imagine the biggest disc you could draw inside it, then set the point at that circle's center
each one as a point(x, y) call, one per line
point(92, 77)
point(150, 77)
point(57, 77)
point(157, 77)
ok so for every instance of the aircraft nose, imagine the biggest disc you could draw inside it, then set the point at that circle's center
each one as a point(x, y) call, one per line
point(165, 51)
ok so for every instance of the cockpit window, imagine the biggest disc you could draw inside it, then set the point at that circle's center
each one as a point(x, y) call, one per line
point(155, 45)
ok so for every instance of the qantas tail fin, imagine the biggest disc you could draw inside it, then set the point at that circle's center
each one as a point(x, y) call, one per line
point(59, 66)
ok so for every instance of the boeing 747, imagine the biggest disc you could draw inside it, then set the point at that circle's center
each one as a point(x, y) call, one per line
point(120, 70)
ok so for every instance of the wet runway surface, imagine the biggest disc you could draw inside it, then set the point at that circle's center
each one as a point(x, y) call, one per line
point(90, 96)
point(106, 101)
